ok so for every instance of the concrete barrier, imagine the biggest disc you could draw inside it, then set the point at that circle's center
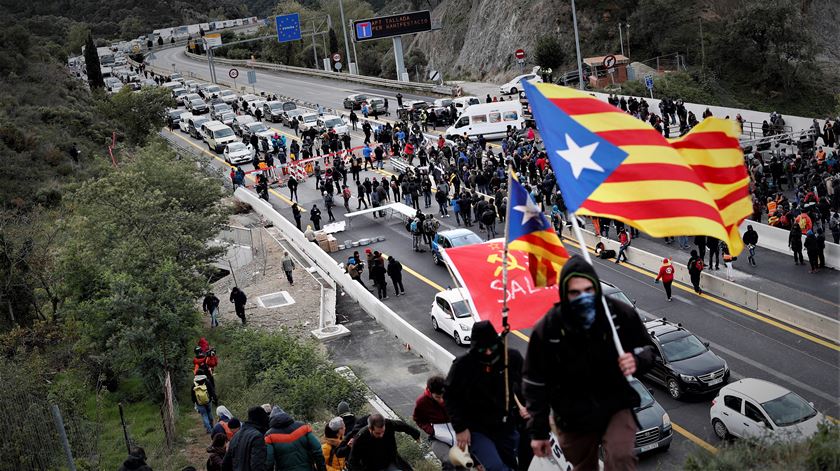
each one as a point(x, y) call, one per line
point(776, 239)
point(418, 342)
point(777, 309)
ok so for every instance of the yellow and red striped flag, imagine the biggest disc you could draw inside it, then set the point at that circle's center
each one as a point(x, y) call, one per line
point(611, 164)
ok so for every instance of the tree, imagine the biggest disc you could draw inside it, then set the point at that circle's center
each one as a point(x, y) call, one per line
point(77, 37)
point(548, 52)
point(138, 113)
point(94, 69)
point(136, 259)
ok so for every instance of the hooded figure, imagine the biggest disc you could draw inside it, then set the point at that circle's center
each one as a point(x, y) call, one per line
point(136, 461)
point(247, 449)
point(217, 452)
point(474, 396)
point(291, 444)
point(695, 269)
point(573, 371)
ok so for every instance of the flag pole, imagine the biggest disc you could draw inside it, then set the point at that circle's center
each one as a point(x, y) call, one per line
point(505, 325)
point(579, 236)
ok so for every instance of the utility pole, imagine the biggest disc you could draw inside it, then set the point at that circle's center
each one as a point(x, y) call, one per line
point(344, 29)
point(577, 48)
point(702, 47)
point(628, 40)
point(620, 39)
point(355, 55)
point(314, 45)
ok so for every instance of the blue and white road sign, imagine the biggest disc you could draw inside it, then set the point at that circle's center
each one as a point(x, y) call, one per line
point(252, 77)
point(649, 82)
point(288, 27)
point(364, 30)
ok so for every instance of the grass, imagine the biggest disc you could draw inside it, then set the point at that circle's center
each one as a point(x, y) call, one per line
point(145, 429)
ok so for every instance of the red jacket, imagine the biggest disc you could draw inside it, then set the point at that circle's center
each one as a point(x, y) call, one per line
point(428, 411)
point(666, 273)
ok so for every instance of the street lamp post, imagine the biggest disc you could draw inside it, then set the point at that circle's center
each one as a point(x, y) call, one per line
point(344, 29)
point(577, 48)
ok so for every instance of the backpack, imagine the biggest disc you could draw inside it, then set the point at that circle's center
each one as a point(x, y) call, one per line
point(698, 265)
point(211, 360)
point(202, 396)
point(413, 227)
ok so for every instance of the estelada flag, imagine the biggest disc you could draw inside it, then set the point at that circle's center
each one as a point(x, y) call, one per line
point(478, 268)
point(611, 164)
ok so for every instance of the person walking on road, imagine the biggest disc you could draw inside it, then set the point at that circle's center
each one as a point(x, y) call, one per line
point(812, 248)
point(751, 240)
point(296, 214)
point(328, 203)
point(238, 298)
point(727, 260)
point(395, 272)
point(572, 344)
point(315, 217)
point(624, 241)
point(795, 244)
point(695, 268)
point(666, 274)
point(714, 252)
point(211, 306)
point(293, 186)
point(377, 274)
point(288, 267)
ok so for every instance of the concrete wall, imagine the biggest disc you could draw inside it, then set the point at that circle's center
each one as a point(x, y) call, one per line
point(776, 239)
point(419, 343)
point(783, 311)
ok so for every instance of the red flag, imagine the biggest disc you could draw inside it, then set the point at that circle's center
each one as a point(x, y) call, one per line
point(478, 267)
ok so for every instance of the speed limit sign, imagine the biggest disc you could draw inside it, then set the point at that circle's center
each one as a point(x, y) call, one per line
point(233, 73)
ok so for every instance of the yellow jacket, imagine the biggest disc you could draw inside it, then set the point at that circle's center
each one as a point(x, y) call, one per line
point(334, 463)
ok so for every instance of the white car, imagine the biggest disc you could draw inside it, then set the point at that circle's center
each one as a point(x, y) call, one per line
point(753, 408)
point(307, 121)
point(514, 86)
point(451, 313)
point(227, 118)
point(228, 96)
point(238, 153)
point(331, 122)
point(240, 121)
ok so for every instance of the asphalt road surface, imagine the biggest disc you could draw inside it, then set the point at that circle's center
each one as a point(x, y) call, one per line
point(753, 345)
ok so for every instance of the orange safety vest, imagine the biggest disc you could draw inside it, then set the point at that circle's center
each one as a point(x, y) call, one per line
point(227, 429)
point(771, 207)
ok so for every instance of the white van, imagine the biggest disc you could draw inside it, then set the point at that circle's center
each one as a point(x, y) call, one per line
point(218, 136)
point(184, 122)
point(490, 120)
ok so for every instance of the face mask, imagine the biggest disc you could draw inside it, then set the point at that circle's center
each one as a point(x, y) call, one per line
point(493, 356)
point(583, 310)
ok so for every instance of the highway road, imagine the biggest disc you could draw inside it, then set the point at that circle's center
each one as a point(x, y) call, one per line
point(752, 345)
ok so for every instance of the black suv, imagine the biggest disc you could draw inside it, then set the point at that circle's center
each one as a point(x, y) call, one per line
point(684, 364)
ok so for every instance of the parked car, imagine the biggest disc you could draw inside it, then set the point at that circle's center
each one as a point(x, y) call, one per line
point(307, 120)
point(219, 109)
point(465, 102)
point(176, 77)
point(290, 115)
point(613, 292)
point(257, 128)
point(415, 105)
point(178, 94)
point(684, 364)
point(240, 121)
point(184, 121)
point(754, 408)
point(273, 111)
point(442, 102)
point(354, 102)
point(655, 432)
point(217, 136)
point(228, 96)
point(194, 126)
point(173, 117)
point(515, 85)
point(452, 238)
point(238, 153)
point(452, 314)
point(197, 106)
point(227, 118)
point(332, 123)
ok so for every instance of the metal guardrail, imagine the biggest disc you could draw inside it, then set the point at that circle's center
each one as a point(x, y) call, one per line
point(422, 87)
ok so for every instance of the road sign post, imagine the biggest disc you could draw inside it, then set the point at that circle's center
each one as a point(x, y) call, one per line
point(520, 59)
point(233, 73)
point(609, 64)
point(649, 84)
point(288, 27)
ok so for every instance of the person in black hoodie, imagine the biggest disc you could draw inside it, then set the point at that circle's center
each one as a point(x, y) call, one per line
point(573, 371)
point(474, 395)
point(247, 450)
point(695, 269)
point(136, 460)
